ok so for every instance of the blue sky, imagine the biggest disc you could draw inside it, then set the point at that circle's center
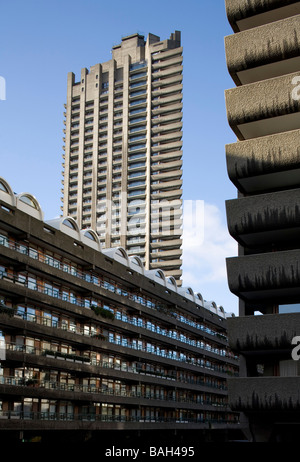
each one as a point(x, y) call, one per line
point(41, 41)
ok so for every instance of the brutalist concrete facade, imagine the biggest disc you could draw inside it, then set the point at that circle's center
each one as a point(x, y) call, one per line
point(263, 58)
point(93, 347)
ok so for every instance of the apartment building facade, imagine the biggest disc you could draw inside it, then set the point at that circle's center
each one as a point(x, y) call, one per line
point(91, 342)
point(123, 150)
point(263, 58)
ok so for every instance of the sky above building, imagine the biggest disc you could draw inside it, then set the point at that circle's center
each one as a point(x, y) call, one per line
point(41, 41)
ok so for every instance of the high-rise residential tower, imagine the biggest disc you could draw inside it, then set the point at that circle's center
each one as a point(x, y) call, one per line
point(263, 58)
point(123, 150)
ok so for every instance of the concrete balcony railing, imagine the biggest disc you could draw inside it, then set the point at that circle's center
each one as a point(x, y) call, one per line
point(243, 14)
point(171, 145)
point(174, 165)
point(167, 195)
point(264, 108)
point(168, 156)
point(270, 277)
point(168, 253)
point(164, 91)
point(167, 185)
point(168, 71)
point(164, 118)
point(56, 421)
point(169, 53)
point(169, 81)
point(168, 137)
point(266, 163)
point(166, 100)
point(166, 109)
point(175, 233)
point(264, 393)
point(264, 52)
point(268, 332)
point(261, 219)
point(176, 273)
point(168, 62)
point(168, 264)
point(166, 128)
point(171, 243)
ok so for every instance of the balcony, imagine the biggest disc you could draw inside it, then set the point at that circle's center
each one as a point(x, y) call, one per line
point(166, 195)
point(166, 264)
point(172, 126)
point(168, 146)
point(264, 219)
point(167, 254)
point(163, 186)
point(166, 100)
point(167, 62)
point(270, 277)
point(166, 156)
point(177, 79)
point(167, 137)
point(264, 394)
point(266, 163)
point(163, 167)
point(263, 108)
point(264, 53)
point(244, 15)
point(172, 176)
point(159, 73)
point(61, 390)
point(166, 244)
point(39, 421)
point(269, 332)
point(165, 91)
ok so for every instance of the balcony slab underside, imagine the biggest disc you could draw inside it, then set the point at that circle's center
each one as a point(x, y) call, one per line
point(263, 108)
point(272, 277)
point(264, 52)
point(243, 15)
point(265, 163)
point(271, 332)
point(263, 219)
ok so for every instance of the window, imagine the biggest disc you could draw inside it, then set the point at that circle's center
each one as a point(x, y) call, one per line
point(137, 146)
point(3, 187)
point(138, 84)
point(136, 192)
point(138, 101)
point(139, 119)
point(136, 93)
point(137, 76)
point(29, 201)
point(138, 65)
point(136, 111)
point(137, 129)
point(136, 165)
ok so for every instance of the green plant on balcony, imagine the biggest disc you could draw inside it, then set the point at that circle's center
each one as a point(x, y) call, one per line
point(100, 311)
